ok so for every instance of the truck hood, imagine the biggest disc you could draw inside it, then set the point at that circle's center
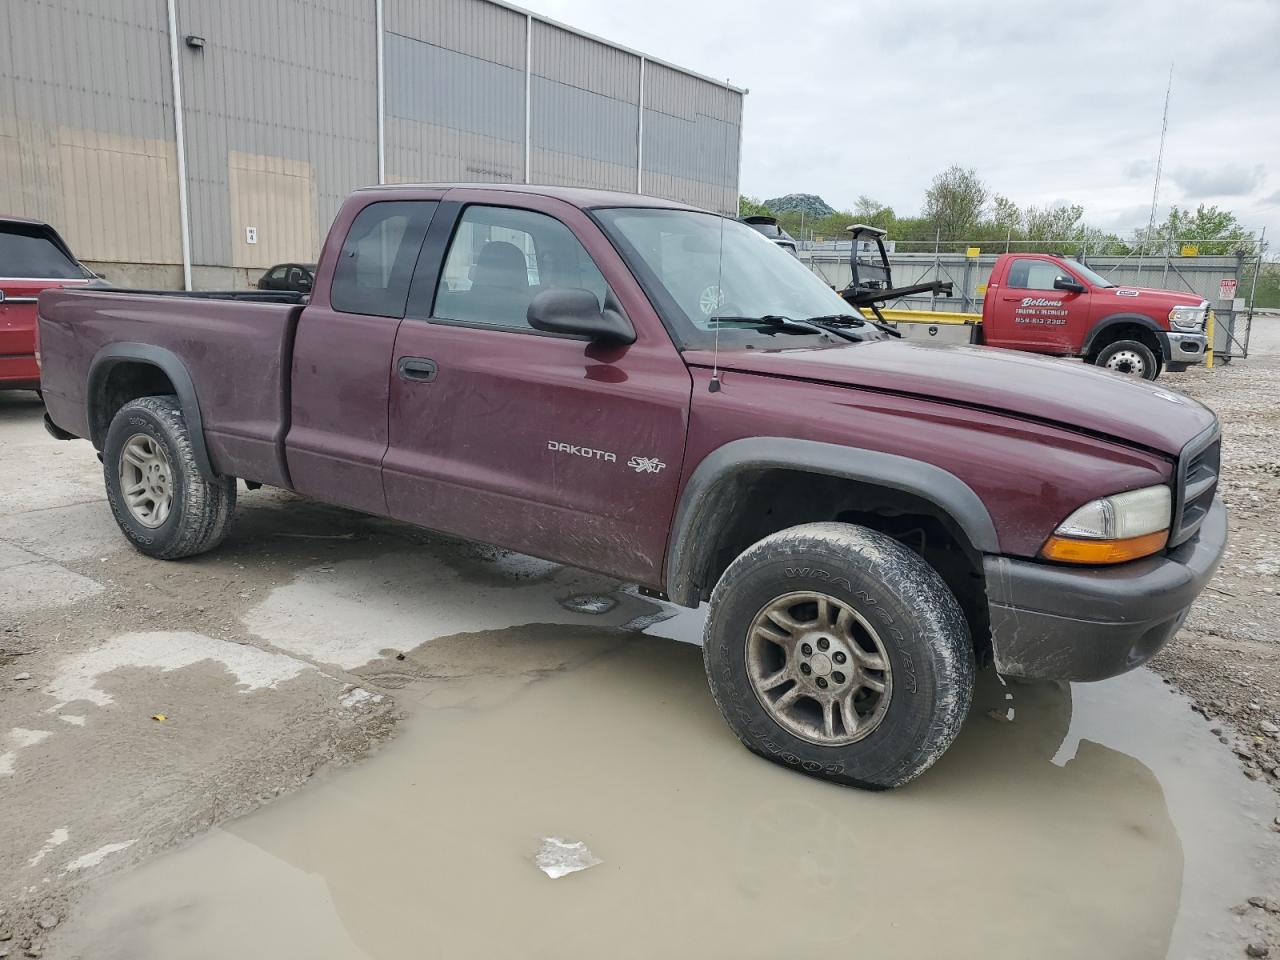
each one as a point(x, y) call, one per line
point(1066, 393)
point(1150, 297)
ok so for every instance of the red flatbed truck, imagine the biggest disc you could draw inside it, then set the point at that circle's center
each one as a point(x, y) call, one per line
point(1044, 303)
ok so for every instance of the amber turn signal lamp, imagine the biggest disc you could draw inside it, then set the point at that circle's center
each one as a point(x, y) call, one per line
point(1072, 550)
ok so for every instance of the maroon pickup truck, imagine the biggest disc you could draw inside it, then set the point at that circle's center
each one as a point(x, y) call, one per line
point(662, 395)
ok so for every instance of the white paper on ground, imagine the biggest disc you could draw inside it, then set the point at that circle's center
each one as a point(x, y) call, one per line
point(558, 858)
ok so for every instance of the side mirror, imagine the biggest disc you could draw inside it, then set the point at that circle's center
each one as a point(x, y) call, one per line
point(1066, 283)
point(577, 313)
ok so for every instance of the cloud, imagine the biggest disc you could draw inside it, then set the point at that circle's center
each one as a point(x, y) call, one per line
point(1139, 169)
point(1272, 200)
point(1227, 181)
point(1043, 114)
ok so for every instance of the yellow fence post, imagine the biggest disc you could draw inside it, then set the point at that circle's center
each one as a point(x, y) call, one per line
point(1208, 352)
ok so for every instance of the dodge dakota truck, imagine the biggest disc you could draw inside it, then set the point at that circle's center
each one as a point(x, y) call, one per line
point(869, 519)
point(1042, 303)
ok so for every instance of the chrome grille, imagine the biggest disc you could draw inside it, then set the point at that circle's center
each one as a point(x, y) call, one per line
point(1197, 482)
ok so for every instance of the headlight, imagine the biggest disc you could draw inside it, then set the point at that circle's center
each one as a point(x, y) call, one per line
point(1114, 529)
point(1187, 318)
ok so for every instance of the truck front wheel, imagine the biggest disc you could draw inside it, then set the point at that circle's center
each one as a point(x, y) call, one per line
point(1131, 357)
point(836, 650)
point(160, 499)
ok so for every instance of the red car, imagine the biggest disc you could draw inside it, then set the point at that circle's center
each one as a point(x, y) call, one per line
point(32, 258)
point(532, 367)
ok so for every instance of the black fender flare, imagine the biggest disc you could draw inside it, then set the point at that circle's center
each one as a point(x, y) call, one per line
point(712, 491)
point(171, 366)
point(1115, 319)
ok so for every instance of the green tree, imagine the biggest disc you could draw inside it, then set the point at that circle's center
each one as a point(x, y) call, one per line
point(1054, 229)
point(751, 207)
point(1214, 232)
point(1268, 291)
point(872, 212)
point(1005, 214)
point(955, 202)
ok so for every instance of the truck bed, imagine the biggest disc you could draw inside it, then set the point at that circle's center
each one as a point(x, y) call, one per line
point(235, 346)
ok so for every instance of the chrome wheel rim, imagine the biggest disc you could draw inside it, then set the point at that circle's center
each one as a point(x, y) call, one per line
point(1127, 361)
point(819, 668)
point(146, 480)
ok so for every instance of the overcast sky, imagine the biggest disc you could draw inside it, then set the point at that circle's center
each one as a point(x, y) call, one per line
point(1052, 102)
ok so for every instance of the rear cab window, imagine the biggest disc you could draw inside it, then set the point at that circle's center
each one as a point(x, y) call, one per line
point(375, 265)
point(27, 251)
point(500, 258)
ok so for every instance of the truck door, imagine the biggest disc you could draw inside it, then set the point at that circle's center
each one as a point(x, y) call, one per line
point(1030, 313)
point(545, 444)
point(342, 352)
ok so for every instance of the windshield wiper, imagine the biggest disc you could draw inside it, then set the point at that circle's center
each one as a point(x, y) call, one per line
point(846, 319)
point(777, 321)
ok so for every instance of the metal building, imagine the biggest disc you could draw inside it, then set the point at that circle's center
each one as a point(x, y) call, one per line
point(213, 138)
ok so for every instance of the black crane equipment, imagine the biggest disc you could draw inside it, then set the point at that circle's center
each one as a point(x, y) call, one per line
point(872, 282)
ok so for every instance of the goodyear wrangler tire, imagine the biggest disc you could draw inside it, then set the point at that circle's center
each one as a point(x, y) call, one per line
point(160, 499)
point(836, 650)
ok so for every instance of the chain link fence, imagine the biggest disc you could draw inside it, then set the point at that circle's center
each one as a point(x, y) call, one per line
point(1228, 282)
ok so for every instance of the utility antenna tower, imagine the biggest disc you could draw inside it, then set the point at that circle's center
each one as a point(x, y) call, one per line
point(1164, 129)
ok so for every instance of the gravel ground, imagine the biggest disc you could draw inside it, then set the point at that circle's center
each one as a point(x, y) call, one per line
point(1227, 658)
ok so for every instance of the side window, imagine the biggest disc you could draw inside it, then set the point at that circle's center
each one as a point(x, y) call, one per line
point(377, 258)
point(278, 273)
point(500, 258)
point(1035, 274)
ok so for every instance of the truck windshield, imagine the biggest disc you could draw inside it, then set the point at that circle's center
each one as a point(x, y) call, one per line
point(1093, 279)
point(700, 267)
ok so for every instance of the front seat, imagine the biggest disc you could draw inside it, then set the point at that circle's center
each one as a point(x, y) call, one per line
point(499, 286)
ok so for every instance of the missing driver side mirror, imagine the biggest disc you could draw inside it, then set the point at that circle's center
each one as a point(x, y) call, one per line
point(577, 313)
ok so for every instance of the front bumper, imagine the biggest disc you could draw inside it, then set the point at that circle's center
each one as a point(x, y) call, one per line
point(1184, 347)
point(1089, 623)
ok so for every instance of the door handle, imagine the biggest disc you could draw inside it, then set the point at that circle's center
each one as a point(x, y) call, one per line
point(419, 369)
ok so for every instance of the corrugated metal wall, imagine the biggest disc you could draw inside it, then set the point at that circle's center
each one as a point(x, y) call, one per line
point(86, 125)
point(584, 111)
point(281, 118)
point(454, 75)
point(691, 139)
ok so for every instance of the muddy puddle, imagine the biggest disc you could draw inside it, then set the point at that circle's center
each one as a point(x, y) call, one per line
point(1100, 820)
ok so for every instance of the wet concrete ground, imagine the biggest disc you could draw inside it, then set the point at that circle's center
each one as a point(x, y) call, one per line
point(537, 701)
point(1100, 820)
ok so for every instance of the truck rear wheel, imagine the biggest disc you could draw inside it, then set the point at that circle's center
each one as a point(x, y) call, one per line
point(160, 499)
point(835, 650)
point(1131, 357)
